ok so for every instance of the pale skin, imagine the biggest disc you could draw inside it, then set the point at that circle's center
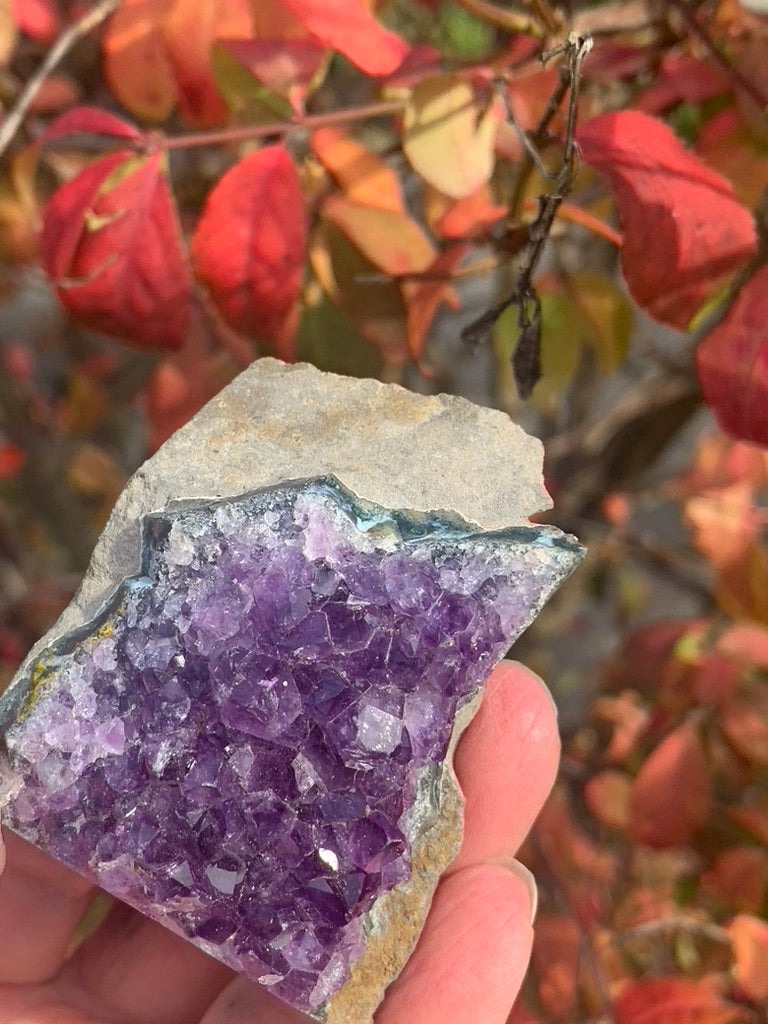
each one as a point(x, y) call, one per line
point(466, 968)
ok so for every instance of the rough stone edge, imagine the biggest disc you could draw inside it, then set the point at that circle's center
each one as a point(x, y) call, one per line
point(397, 918)
point(206, 459)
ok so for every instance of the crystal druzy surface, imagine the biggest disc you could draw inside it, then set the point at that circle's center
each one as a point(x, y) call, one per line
point(234, 746)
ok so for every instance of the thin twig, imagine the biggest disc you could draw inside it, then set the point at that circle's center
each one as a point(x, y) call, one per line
point(509, 21)
point(675, 923)
point(66, 41)
point(526, 358)
point(217, 137)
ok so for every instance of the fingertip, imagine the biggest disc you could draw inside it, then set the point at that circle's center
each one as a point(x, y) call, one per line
point(506, 764)
point(471, 959)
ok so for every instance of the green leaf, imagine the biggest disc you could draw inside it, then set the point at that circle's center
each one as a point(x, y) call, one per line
point(459, 34)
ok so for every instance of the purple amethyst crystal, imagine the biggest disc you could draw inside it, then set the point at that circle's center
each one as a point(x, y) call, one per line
point(237, 744)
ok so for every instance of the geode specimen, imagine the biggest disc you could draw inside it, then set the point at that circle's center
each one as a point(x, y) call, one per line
point(248, 741)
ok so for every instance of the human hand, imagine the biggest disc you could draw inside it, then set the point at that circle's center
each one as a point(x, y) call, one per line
point(466, 968)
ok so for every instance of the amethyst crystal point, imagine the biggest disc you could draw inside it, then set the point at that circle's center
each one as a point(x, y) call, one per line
point(247, 743)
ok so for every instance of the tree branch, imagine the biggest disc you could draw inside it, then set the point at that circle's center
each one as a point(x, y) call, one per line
point(66, 41)
point(527, 356)
point(508, 21)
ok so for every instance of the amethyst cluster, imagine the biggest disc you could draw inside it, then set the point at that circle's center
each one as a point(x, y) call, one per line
point(236, 744)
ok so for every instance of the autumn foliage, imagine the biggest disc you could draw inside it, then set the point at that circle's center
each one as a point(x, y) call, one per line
point(202, 183)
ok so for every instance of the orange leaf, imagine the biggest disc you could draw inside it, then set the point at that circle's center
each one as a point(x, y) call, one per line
point(190, 29)
point(607, 797)
point(393, 242)
point(671, 796)
point(424, 295)
point(750, 946)
point(672, 1001)
point(556, 960)
point(684, 231)
point(746, 643)
point(753, 817)
point(157, 54)
point(112, 247)
point(364, 178)
point(272, 20)
point(470, 217)
point(249, 244)
point(745, 723)
point(137, 66)
point(724, 523)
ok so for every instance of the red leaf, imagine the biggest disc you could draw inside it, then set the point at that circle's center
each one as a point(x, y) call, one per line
point(287, 67)
point(684, 231)
point(89, 121)
point(12, 458)
point(57, 92)
point(470, 217)
point(671, 797)
point(249, 244)
point(682, 77)
point(112, 248)
point(738, 878)
point(732, 362)
point(38, 19)
point(349, 27)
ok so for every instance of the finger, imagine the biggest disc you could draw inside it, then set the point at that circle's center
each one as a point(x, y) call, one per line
point(506, 763)
point(243, 1002)
point(41, 903)
point(470, 961)
point(134, 968)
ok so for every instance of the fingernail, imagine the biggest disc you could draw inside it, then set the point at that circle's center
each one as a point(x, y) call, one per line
point(527, 878)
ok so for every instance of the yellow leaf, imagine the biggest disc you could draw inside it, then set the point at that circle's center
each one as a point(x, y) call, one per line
point(448, 135)
point(7, 32)
point(393, 242)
